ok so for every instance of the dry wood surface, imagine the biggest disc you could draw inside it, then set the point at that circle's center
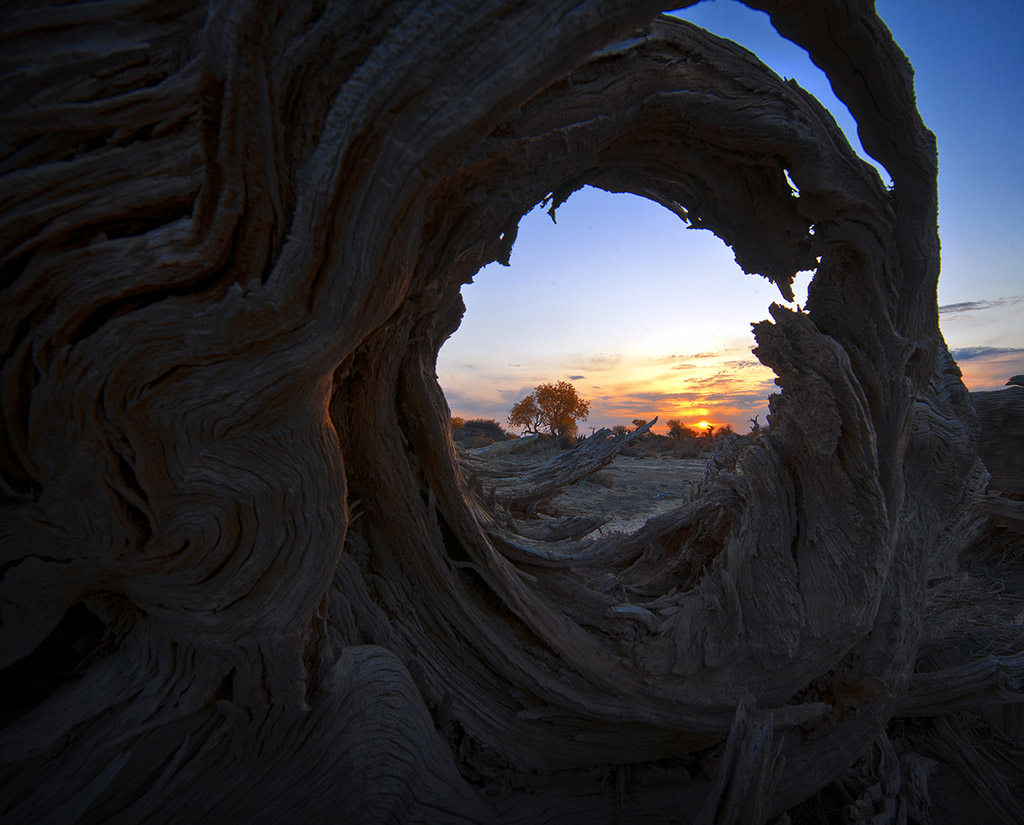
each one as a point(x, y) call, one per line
point(245, 576)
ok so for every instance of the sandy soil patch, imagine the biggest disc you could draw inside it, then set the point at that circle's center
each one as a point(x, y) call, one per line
point(630, 490)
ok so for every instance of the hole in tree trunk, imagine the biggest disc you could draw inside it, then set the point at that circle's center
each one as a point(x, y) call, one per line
point(55, 662)
point(643, 316)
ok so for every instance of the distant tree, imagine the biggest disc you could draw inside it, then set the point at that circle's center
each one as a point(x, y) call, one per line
point(620, 430)
point(562, 407)
point(526, 414)
point(638, 423)
point(724, 430)
point(556, 406)
point(458, 422)
point(677, 429)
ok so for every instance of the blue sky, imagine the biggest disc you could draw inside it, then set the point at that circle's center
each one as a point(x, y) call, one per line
point(647, 316)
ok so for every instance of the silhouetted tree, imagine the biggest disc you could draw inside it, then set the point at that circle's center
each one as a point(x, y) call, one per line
point(677, 429)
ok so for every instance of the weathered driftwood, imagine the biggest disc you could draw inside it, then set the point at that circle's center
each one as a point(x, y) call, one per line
point(987, 680)
point(558, 529)
point(243, 575)
point(745, 775)
point(984, 769)
point(1005, 511)
point(1001, 441)
point(527, 489)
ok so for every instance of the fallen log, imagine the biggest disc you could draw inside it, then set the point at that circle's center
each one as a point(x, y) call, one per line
point(526, 490)
point(989, 680)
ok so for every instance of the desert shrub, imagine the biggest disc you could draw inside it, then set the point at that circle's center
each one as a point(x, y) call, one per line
point(640, 449)
point(686, 447)
point(477, 427)
point(662, 443)
point(478, 441)
point(677, 429)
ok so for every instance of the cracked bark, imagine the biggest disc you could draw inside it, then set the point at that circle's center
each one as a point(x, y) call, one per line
point(244, 576)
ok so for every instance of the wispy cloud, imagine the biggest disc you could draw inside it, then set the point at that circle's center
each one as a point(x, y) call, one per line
point(577, 377)
point(598, 363)
point(974, 353)
point(470, 406)
point(986, 340)
point(510, 397)
point(644, 400)
point(715, 354)
point(685, 362)
point(964, 307)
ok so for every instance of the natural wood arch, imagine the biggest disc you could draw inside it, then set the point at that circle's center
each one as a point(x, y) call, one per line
point(232, 251)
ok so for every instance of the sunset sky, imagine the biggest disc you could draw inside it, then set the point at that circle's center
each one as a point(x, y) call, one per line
point(648, 317)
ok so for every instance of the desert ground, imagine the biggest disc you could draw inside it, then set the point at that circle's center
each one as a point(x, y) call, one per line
point(630, 490)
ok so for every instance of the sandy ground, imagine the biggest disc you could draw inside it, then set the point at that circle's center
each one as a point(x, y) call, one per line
point(630, 490)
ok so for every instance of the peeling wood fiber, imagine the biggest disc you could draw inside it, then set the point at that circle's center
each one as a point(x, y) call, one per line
point(244, 574)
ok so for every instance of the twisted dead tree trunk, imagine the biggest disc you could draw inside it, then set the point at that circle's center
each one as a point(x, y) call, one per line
point(244, 577)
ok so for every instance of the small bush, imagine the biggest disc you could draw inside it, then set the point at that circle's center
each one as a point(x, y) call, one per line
point(476, 428)
point(686, 448)
point(478, 441)
point(640, 449)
